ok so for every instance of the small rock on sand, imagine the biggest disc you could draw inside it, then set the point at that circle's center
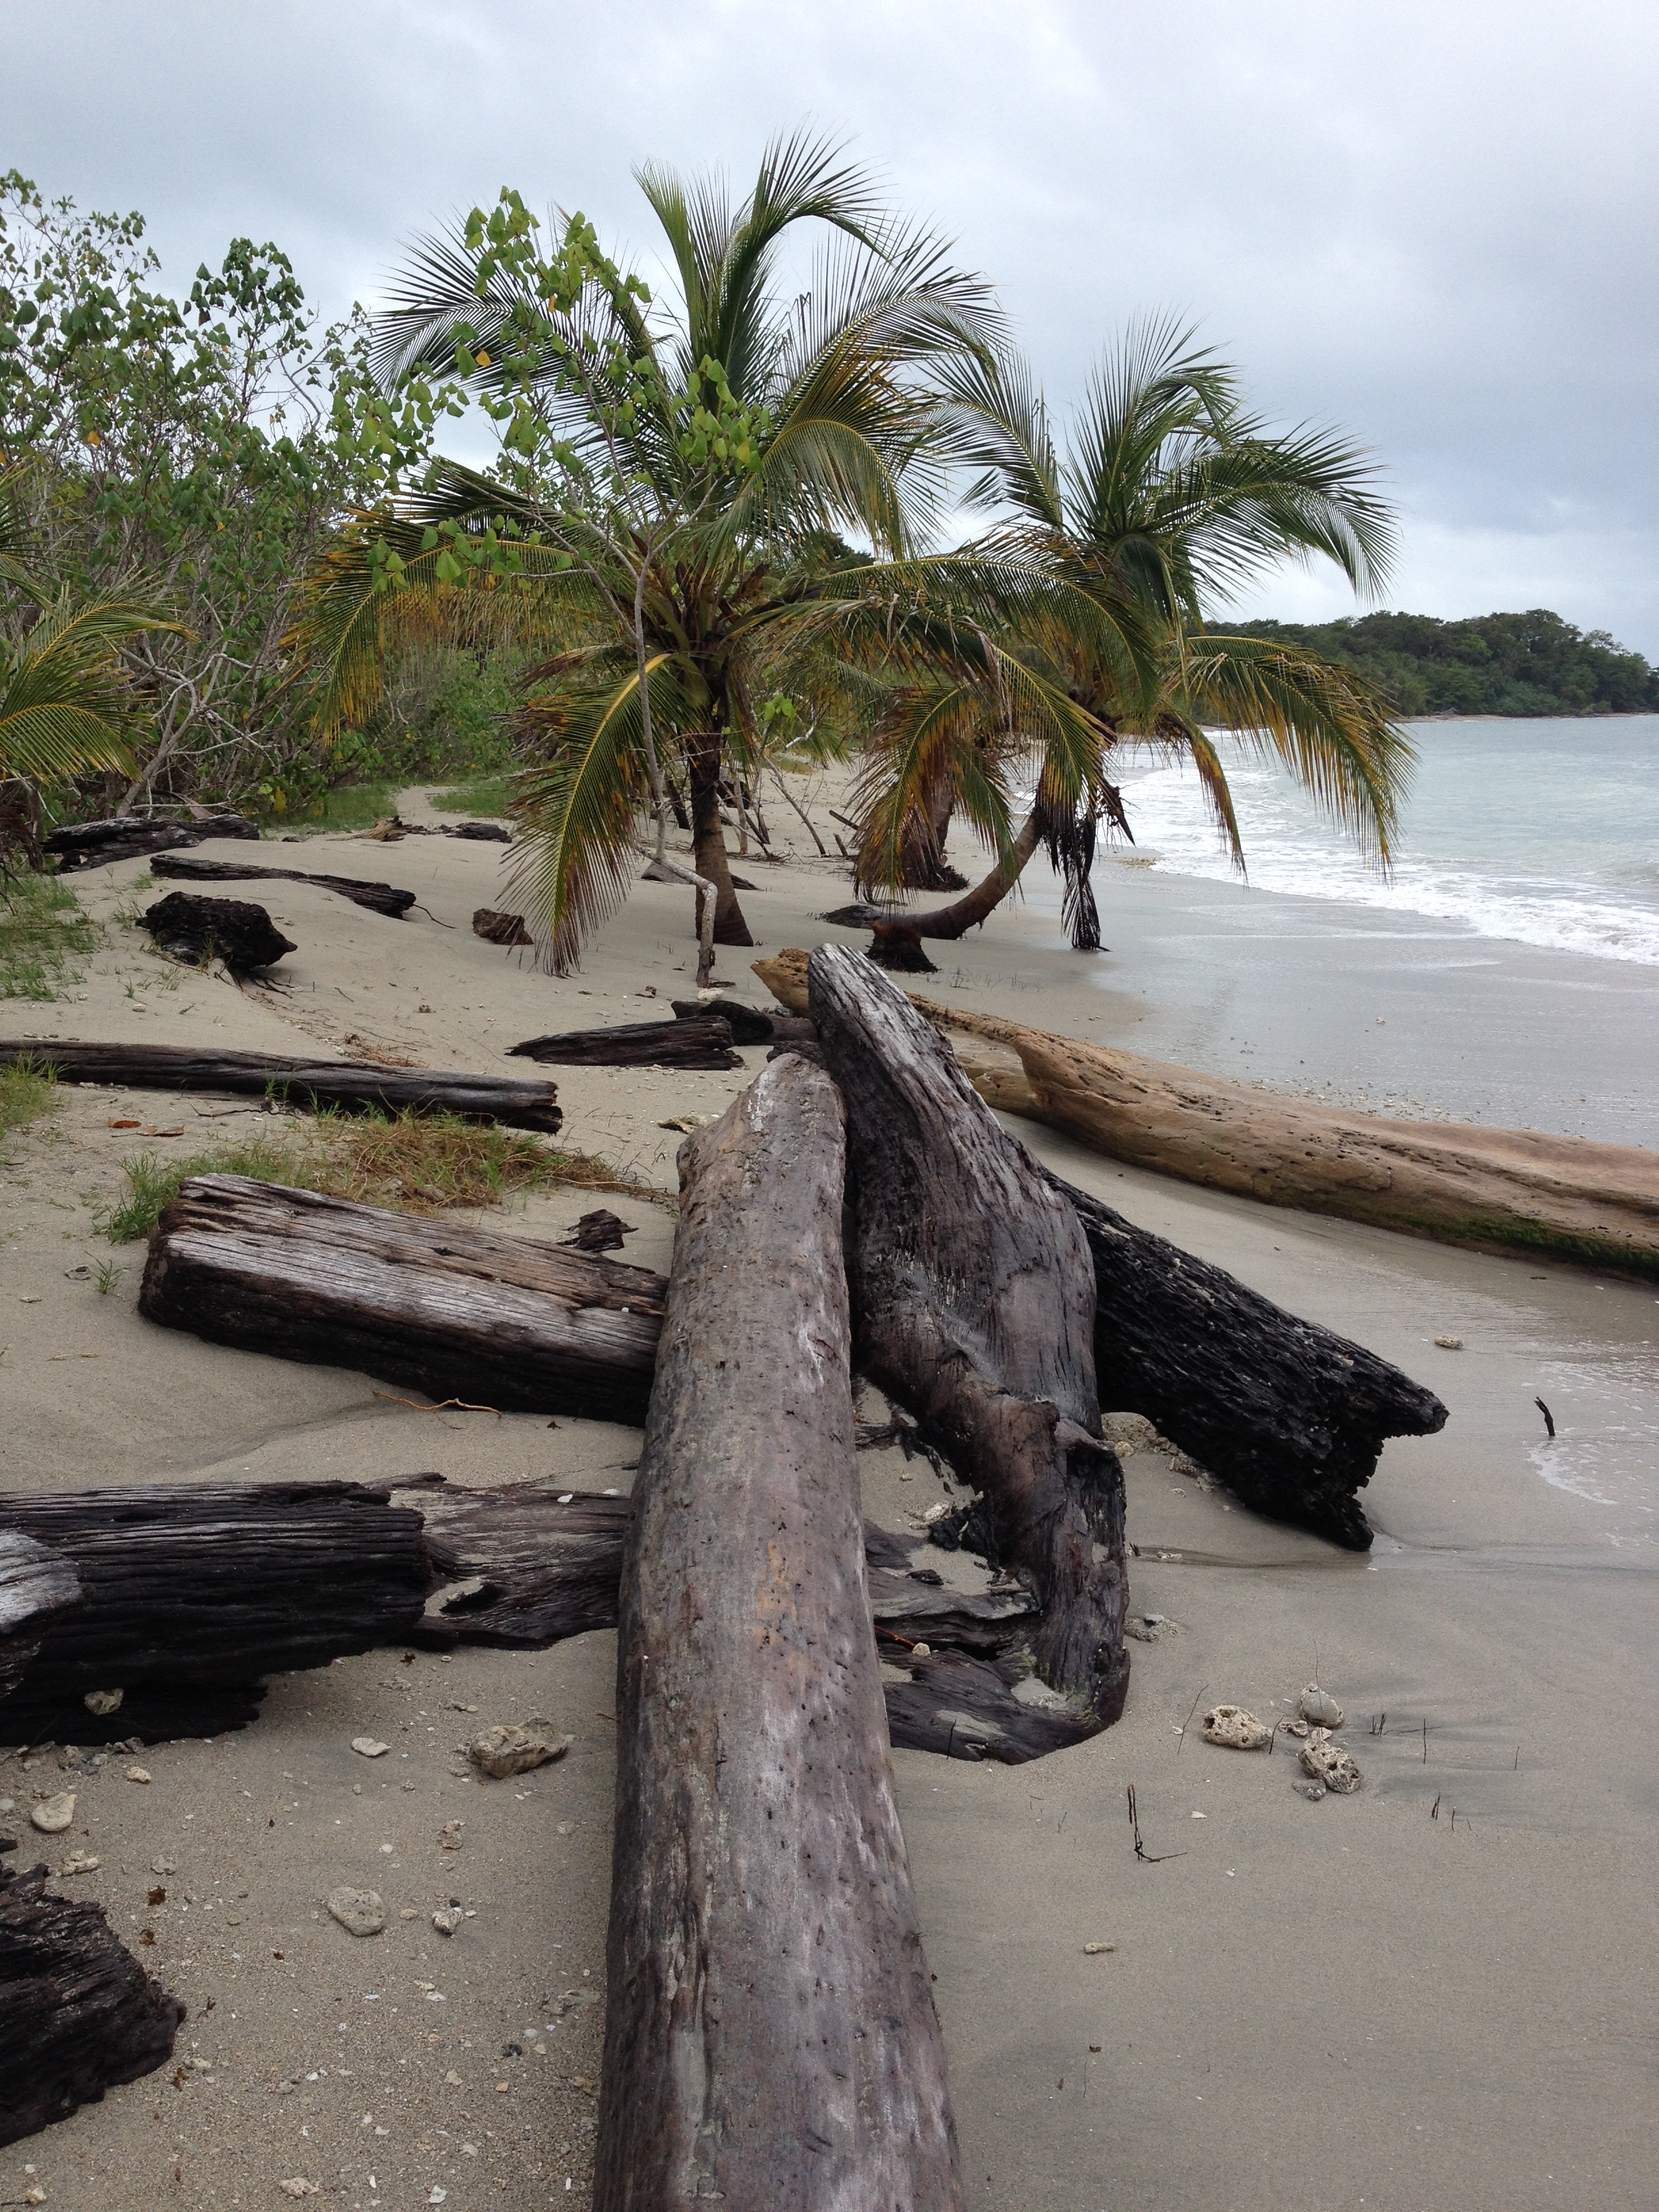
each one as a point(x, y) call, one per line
point(359, 1912)
point(1094, 1950)
point(53, 1814)
point(1236, 1729)
point(369, 1747)
point(164, 1866)
point(1320, 1708)
point(450, 1835)
point(1449, 1343)
point(138, 1774)
point(1328, 1762)
point(103, 1701)
point(298, 2186)
point(509, 1749)
point(80, 1863)
point(448, 1920)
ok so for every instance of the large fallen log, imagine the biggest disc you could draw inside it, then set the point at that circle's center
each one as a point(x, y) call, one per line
point(1289, 1415)
point(515, 1102)
point(186, 1596)
point(705, 1041)
point(128, 836)
point(770, 2035)
point(506, 1322)
point(974, 1293)
point(192, 867)
point(78, 2014)
point(1503, 1190)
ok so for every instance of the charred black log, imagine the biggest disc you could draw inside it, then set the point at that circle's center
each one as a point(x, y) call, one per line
point(703, 1042)
point(186, 927)
point(191, 867)
point(78, 2014)
point(130, 836)
point(750, 1025)
point(1289, 1415)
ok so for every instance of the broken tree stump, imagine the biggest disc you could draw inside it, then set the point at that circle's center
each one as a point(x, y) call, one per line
point(187, 1596)
point(78, 2014)
point(496, 929)
point(355, 1086)
point(186, 927)
point(704, 1043)
point(1289, 1415)
point(191, 867)
point(770, 2035)
point(504, 1321)
point(974, 1293)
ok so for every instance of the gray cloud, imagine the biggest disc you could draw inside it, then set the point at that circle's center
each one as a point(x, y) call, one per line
point(1434, 225)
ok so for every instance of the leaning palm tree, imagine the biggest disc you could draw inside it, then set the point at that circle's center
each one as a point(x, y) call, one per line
point(672, 515)
point(1170, 496)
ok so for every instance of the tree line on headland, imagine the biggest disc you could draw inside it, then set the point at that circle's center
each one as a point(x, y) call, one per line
point(1527, 664)
point(236, 565)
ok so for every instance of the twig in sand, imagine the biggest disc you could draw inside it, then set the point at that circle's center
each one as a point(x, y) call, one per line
point(1426, 1740)
point(1187, 1722)
point(464, 1403)
point(1549, 1418)
point(1141, 1852)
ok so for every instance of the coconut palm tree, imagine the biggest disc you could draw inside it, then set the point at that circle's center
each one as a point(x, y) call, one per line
point(691, 493)
point(1170, 496)
point(65, 703)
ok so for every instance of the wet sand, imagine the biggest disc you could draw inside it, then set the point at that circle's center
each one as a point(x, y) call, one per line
point(1356, 2002)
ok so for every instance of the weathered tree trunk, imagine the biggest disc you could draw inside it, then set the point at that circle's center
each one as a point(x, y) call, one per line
point(708, 843)
point(126, 836)
point(522, 1326)
point(186, 1596)
point(517, 1103)
point(78, 2014)
point(1287, 1414)
point(191, 867)
point(896, 937)
point(705, 1041)
point(974, 1294)
point(750, 1025)
point(771, 2039)
point(187, 927)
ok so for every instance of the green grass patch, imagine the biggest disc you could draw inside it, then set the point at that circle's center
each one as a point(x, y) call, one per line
point(43, 929)
point(347, 806)
point(25, 1093)
point(485, 795)
point(416, 1163)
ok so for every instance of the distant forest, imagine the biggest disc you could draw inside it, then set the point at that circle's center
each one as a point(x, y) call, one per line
point(1530, 664)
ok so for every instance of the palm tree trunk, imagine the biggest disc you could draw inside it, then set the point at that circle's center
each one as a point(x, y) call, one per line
point(708, 840)
point(897, 943)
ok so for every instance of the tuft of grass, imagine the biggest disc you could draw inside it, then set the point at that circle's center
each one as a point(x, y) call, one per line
point(418, 1163)
point(25, 1093)
point(42, 928)
point(345, 806)
point(486, 795)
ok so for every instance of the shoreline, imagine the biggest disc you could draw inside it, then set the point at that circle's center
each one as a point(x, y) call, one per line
point(1394, 1992)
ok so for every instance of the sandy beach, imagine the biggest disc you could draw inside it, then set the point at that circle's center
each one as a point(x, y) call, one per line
point(1361, 2002)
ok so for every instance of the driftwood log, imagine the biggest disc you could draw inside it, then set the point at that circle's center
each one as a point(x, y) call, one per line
point(187, 927)
point(454, 1312)
point(750, 1025)
point(770, 2036)
point(497, 928)
point(515, 1102)
point(128, 836)
point(186, 1596)
point(1289, 1415)
point(974, 1293)
point(78, 2014)
point(191, 867)
point(703, 1042)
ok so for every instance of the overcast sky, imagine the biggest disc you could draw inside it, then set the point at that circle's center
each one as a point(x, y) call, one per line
point(1434, 225)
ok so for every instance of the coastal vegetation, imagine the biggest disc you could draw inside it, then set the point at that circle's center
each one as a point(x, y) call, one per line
point(1532, 663)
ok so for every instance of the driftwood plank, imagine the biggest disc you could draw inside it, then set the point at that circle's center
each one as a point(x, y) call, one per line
point(705, 1041)
point(77, 2013)
point(515, 1102)
point(187, 1596)
point(454, 1312)
point(193, 868)
point(771, 2039)
point(974, 1294)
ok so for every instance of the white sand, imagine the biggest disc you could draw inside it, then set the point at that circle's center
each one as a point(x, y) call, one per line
point(1334, 2005)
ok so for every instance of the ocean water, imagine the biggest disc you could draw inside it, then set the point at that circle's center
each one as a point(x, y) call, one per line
point(1506, 972)
point(1543, 833)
